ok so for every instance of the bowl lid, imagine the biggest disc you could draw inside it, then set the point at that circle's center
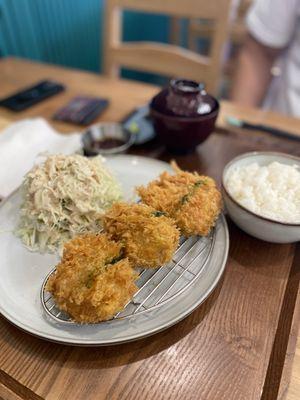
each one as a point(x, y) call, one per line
point(184, 98)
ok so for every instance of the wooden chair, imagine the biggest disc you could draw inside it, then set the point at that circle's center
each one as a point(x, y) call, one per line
point(205, 29)
point(165, 59)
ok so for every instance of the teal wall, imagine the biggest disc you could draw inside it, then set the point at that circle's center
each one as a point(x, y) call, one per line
point(69, 32)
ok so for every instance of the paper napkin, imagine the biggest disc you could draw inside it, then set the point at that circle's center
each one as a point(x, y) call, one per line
point(21, 144)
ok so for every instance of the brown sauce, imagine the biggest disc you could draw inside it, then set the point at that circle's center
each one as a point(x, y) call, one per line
point(107, 143)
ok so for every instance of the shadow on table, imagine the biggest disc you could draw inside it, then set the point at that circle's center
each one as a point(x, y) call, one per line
point(111, 356)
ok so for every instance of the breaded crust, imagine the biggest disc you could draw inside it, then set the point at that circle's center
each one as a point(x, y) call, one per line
point(91, 282)
point(150, 238)
point(192, 200)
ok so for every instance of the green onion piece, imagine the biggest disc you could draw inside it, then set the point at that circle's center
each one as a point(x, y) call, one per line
point(158, 213)
point(199, 183)
point(184, 199)
point(90, 280)
point(116, 259)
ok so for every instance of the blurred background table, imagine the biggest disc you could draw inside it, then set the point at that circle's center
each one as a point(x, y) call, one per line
point(238, 345)
point(124, 96)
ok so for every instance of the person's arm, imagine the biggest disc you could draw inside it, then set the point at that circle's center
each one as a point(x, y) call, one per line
point(253, 72)
point(271, 25)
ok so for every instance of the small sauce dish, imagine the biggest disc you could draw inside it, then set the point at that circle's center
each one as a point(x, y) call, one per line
point(107, 139)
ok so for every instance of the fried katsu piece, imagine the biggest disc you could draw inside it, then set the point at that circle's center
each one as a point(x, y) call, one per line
point(93, 281)
point(149, 237)
point(192, 200)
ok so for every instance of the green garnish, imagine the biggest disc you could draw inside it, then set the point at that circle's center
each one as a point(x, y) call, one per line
point(134, 128)
point(184, 199)
point(158, 213)
point(187, 196)
point(199, 183)
point(92, 275)
point(116, 259)
point(90, 280)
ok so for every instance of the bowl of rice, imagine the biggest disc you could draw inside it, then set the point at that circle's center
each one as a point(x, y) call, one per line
point(261, 192)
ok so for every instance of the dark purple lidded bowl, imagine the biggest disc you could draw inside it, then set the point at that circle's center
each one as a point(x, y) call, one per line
point(183, 115)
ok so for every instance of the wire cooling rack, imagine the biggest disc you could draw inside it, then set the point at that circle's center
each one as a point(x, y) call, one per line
point(156, 287)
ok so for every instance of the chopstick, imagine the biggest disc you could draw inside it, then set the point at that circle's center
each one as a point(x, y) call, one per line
point(260, 127)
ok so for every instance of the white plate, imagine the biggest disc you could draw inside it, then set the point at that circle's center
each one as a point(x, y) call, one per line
point(22, 273)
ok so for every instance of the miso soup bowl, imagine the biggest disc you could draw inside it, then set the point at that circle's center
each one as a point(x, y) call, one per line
point(183, 115)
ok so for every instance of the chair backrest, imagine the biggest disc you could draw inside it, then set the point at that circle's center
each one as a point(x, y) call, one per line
point(165, 59)
point(201, 29)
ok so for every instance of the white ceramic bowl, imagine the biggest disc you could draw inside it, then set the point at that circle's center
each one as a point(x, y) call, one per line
point(258, 226)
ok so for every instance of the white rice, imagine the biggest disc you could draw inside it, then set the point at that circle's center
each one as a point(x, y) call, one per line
point(272, 191)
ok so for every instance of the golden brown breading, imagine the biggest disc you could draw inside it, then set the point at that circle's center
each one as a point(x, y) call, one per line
point(192, 200)
point(91, 282)
point(149, 237)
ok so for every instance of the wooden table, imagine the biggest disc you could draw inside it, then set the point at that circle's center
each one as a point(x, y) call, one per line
point(294, 386)
point(233, 347)
point(290, 380)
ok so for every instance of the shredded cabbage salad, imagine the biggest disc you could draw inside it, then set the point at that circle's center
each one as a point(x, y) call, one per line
point(62, 197)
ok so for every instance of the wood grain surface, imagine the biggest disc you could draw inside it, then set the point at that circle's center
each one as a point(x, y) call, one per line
point(289, 388)
point(231, 348)
point(294, 385)
point(8, 394)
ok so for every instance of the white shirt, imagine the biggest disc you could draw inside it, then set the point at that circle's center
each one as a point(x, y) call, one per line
point(276, 23)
